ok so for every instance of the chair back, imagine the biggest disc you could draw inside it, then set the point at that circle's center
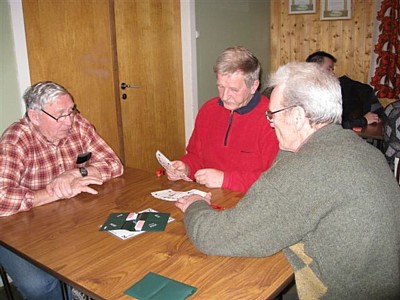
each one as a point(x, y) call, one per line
point(391, 133)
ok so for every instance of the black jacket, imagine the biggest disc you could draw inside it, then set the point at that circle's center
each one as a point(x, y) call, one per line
point(358, 99)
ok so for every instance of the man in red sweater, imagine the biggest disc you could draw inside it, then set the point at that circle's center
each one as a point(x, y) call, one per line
point(232, 142)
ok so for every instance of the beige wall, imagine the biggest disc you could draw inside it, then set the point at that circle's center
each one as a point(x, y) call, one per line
point(294, 37)
point(224, 23)
point(10, 98)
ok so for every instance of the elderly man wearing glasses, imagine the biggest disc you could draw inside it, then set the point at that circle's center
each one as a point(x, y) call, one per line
point(329, 202)
point(52, 153)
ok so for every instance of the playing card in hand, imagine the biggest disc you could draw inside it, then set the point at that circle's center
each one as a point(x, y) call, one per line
point(167, 165)
point(163, 160)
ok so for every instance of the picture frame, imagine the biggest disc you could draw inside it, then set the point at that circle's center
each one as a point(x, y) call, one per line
point(335, 9)
point(302, 6)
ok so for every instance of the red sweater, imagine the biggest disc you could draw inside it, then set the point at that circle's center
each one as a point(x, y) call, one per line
point(241, 143)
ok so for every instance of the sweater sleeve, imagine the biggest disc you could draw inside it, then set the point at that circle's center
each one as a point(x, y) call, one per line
point(261, 224)
point(359, 122)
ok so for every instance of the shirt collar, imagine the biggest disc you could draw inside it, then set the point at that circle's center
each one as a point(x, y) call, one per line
point(249, 107)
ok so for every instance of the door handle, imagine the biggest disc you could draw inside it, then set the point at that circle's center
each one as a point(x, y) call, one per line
point(129, 86)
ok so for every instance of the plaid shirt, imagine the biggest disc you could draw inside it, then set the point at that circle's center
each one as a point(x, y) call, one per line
point(28, 162)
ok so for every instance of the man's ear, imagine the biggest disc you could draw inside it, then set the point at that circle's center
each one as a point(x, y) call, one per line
point(33, 116)
point(299, 117)
point(254, 87)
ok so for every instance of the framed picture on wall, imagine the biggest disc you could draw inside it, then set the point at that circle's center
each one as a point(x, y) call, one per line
point(335, 9)
point(302, 6)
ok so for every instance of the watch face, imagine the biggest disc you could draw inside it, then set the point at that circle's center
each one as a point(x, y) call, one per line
point(83, 171)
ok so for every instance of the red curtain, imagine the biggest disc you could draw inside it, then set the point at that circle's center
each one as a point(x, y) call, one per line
point(386, 79)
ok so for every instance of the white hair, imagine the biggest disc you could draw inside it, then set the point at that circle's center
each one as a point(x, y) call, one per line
point(312, 88)
point(42, 93)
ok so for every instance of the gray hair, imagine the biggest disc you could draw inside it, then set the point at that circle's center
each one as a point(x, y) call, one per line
point(311, 87)
point(241, 59)
point(42, 93)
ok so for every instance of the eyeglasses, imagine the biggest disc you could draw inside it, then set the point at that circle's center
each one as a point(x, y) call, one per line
point(269, 114)
point(63, 117)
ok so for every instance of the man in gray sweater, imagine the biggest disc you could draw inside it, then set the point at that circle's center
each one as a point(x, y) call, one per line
point(329, 202)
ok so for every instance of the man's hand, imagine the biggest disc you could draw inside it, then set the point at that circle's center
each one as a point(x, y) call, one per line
point(211, 178)
point(61, 185)
point(178, 171)
point(372, 118)
point(81, 184)
point(184, 202)
point(71, 183)
point(75, 187)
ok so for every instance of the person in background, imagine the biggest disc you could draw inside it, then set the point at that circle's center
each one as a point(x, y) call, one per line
point(339, 231)
point(39, 165)
point(232, 142)
point(360, 105)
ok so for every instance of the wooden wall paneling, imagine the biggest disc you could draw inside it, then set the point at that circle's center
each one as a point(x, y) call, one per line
point(294, 37)
point(368, 27)
point(335, 41)
point(347, 47)
point(324, 43)
point(300, 42)
point(315, 33)
point(359, 37)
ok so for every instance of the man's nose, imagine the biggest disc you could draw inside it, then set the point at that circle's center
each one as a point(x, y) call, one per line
point(68, 120)
point(225, 94)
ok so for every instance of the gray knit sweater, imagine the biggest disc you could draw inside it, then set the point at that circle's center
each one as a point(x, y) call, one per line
point(333, 208)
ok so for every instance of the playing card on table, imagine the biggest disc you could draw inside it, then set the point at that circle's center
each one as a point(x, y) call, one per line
point(171, 195)
point(167, 165)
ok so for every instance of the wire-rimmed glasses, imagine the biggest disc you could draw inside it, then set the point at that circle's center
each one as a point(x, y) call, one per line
point(63, 117)
point(269, 114)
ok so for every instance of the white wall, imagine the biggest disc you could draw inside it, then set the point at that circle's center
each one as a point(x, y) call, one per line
point(190, 95)
point(14, 78)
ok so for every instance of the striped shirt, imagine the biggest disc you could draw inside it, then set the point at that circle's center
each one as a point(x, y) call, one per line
point(28, 161)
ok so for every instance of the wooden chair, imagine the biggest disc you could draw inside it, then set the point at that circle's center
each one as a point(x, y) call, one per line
point(6, 283)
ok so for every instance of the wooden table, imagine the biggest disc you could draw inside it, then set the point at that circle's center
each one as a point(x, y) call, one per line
point(64, 238)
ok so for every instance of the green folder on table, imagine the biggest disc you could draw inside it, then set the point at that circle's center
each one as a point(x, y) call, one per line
point(148, 221)
point(156, 287)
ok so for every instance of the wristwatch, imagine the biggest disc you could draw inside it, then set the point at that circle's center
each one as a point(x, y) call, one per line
point(83, 171)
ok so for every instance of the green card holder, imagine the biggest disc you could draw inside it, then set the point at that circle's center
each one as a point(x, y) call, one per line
point(156, 287)
point(155, 221)
point(114, 221)
point(152, 221)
